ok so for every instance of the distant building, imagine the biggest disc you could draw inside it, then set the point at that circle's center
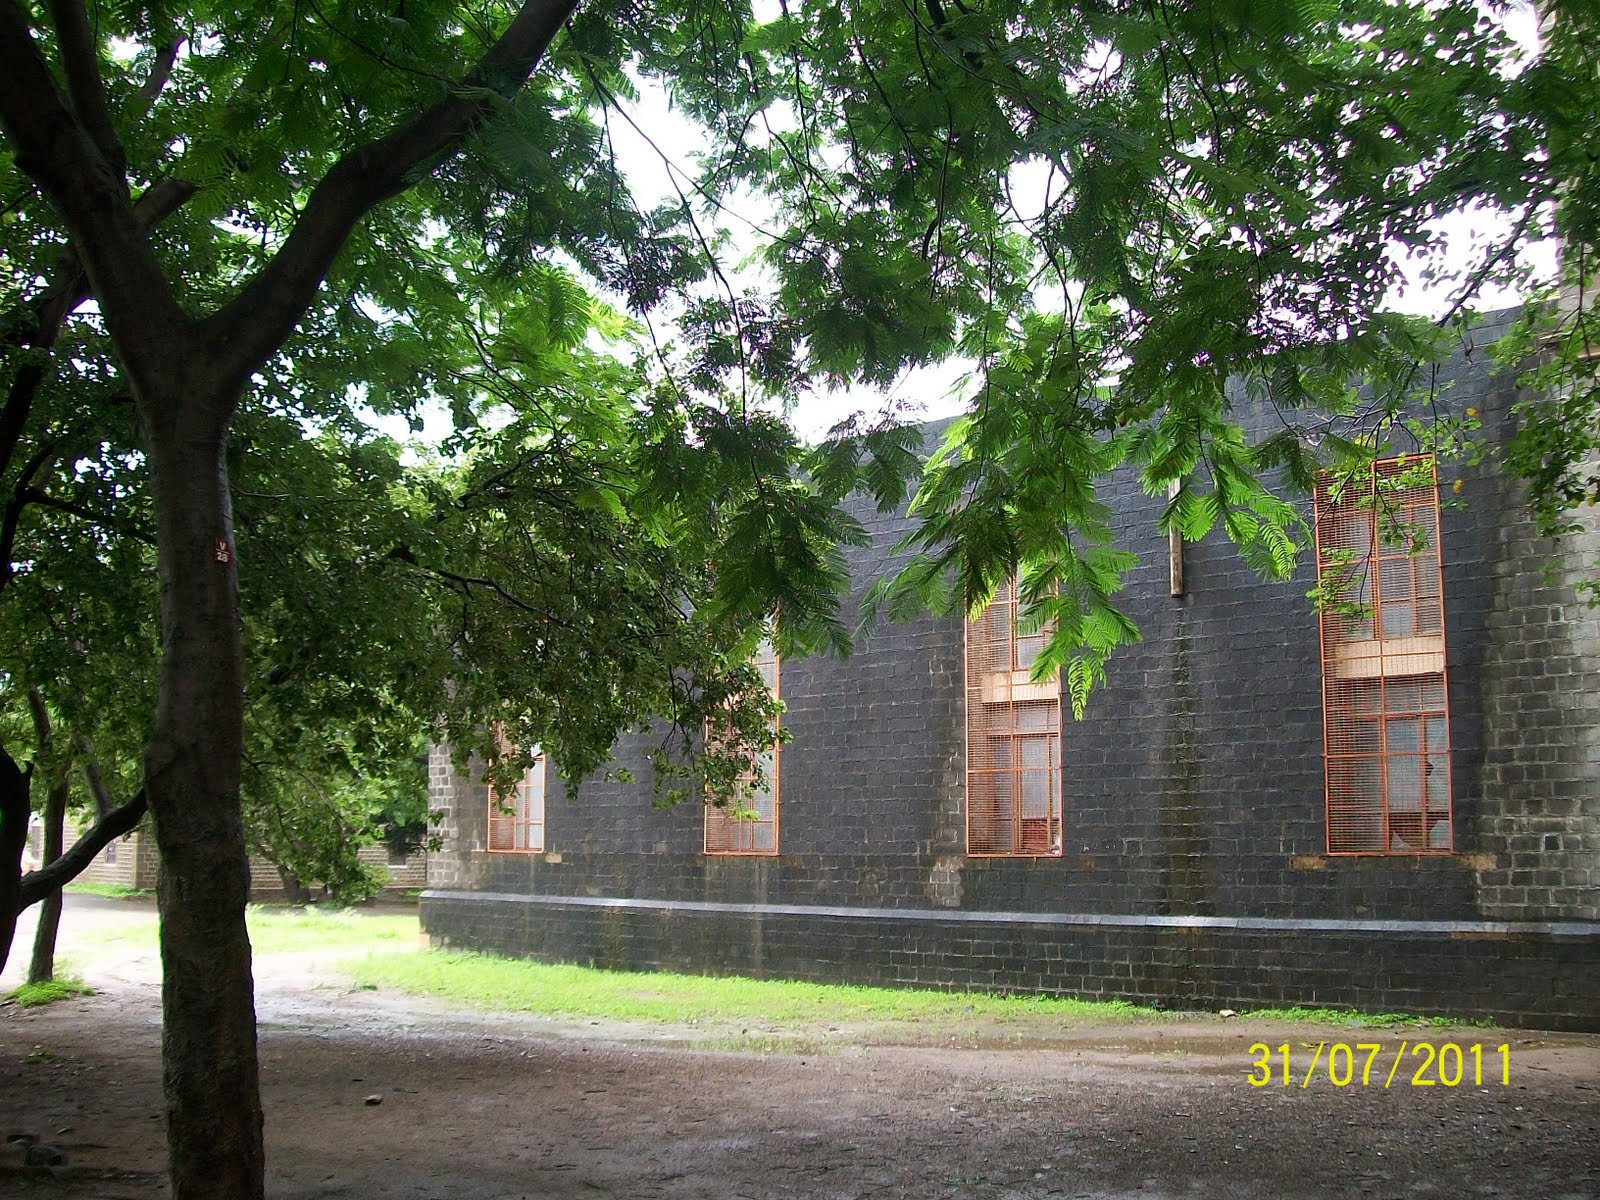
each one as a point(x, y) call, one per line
point(133, 861)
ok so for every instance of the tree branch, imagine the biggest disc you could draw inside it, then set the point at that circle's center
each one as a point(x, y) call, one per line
point(80, 63)
point(160, 71)
point(465, 584)
point(33, 495)
point(68, 289)
point(91, 775)
point(36, 885)
point(69, 286)
point(63, 155)
point(262, 315)
point(13, 509)
point(42, 732)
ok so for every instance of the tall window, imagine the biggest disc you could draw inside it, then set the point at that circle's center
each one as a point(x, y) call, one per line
point(1013, 738)
point(516, 818)
point(1386, 721)
point(748, 823)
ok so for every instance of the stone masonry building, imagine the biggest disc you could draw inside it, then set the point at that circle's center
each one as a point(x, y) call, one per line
point(1394, 806)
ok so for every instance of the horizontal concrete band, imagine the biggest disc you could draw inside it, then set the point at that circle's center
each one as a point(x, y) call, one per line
point(1579, 931)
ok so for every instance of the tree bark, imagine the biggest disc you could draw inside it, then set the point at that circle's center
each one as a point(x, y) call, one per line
point(14, 811)
point(192, 773)
point(42, 968)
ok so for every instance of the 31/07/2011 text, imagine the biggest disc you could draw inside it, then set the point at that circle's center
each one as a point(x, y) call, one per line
point(1342, 1064)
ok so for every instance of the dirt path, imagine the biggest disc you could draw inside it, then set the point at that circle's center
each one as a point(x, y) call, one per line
point(478, 1106)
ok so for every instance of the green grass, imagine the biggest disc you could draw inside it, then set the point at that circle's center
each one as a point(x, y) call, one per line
point(111, 891)
point(276, 930)
point(37, 995)
point(273, 930)
point(1351, 1017)
point(516, 985)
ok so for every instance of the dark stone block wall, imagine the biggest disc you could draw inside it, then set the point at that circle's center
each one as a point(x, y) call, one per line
point(1193, 798)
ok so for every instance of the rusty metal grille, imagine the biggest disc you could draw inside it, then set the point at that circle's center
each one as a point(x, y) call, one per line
point(748, 823)
point(1013, 738)
point(516, 820)
point(1386, 718)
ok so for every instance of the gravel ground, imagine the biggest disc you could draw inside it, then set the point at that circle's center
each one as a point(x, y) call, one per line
point(375, 1094)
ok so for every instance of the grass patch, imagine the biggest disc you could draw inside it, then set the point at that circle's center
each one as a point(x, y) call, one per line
point(37, 995)
point(1358, 1020)
point(517, 985)
point(111, 891)
point(279, 930)
point(274, 929)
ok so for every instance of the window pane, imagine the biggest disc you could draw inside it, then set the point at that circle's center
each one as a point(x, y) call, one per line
point(1351, 529)
point(1367, 698)
point(1405, 782)
point(1399, 618)
point(1353, 736)
point(1037, 718)
point(1394, 580)
point(1402, 695)
point(1404, 736)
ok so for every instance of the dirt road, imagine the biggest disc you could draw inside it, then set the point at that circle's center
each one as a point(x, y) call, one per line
point(471, 1106)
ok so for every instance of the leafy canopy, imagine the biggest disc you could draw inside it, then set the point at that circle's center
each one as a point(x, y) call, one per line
point(1109, 209)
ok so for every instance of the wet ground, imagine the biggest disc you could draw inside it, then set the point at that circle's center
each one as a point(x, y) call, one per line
point(473, 1105)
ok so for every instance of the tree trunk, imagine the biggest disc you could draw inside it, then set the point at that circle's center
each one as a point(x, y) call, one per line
point(43, 967)
point(14, 810)
point(186, 377)
point(294, 892)
point(192, 772)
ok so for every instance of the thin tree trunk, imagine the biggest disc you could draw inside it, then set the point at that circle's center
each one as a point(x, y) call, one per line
point(43, 967)
point(192, 772)
point(294, 892)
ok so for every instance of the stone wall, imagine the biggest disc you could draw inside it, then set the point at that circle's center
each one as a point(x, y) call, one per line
point(130, 861)
point(1515, 974)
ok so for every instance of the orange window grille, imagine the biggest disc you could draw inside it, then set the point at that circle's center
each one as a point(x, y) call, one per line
point(748, 823)
point(1386, 717)
point(1013, 738)
point(516, 818)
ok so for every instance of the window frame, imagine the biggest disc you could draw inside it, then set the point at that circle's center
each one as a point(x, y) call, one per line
point(724, 835)
point(993, 691)
point(1368, 681)
point(521, 802)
